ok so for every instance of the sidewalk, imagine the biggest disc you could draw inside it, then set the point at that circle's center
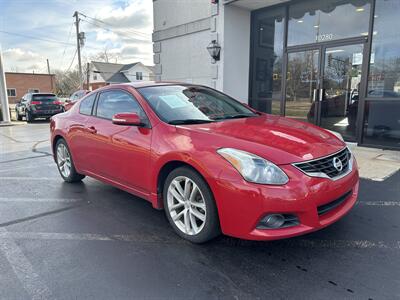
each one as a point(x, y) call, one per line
point(376, 164)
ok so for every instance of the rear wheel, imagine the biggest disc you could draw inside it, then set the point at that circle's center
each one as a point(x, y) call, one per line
point(28, 117)
point(190, 207)
point(65, 163)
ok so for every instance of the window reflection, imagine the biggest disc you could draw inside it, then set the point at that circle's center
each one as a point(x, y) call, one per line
point(321, 21)
point(382, 123)
point(301, 84)
point(384, 76)
point(267, 61)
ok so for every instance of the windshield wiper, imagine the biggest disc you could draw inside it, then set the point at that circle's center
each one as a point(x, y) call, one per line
point(189, 121)
point(237, 116)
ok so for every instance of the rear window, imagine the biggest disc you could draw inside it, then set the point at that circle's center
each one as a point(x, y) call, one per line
point(44, 98)
point(86, 105)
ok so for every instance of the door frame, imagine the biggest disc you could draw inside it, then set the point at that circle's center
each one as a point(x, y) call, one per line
point(321, 47)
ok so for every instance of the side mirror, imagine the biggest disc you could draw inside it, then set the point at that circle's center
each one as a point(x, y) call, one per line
point(131, 119)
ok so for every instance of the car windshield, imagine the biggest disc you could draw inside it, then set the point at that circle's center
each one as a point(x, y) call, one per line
point(44, 98)
point(181, 104)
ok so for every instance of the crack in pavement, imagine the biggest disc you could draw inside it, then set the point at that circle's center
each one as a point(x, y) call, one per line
point(24, 158)
point(17, 141)
point(34, 150)
point(37, 216)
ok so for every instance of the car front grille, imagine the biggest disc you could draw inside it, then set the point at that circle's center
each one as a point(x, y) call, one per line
point(333, 166)
point(323, 209)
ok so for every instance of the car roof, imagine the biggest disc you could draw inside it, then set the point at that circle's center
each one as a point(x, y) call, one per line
point(42, 94)
point(152, 83)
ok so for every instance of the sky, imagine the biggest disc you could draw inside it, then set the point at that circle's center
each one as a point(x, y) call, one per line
point(32, 31)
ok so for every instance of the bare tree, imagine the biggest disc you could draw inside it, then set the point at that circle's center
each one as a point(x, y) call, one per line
point(66, 82)
point(106, 56)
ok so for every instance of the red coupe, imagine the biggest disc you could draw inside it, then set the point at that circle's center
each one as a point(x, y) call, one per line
point(212, 163)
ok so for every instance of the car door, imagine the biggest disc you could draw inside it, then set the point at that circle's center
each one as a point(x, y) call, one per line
point(80, 136)
point(122, 152)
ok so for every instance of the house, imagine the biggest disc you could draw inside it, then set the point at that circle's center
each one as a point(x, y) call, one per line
point(18, 84)
point(102, 73)
point(331, 63)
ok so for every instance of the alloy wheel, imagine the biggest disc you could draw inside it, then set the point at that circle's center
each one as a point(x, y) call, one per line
point(186, 205)
point(63, 160)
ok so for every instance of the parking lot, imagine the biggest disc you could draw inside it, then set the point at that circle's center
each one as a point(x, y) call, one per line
point(93, 241)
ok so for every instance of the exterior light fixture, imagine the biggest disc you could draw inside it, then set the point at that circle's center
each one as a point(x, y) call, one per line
point(214, 49)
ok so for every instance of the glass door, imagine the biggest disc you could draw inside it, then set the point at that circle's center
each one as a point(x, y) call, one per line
point(302, 81)
point(340, 89)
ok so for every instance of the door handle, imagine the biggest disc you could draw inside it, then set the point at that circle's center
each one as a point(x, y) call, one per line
point(91, 129)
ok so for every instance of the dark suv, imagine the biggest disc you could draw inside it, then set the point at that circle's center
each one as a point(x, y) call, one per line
point(38, 105)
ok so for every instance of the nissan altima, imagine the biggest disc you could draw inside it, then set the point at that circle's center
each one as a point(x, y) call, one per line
point(213, 164)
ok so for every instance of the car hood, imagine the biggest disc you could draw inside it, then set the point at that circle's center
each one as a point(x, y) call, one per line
point(278, 139)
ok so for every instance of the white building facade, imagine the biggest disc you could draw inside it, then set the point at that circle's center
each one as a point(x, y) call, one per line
point(333, 63)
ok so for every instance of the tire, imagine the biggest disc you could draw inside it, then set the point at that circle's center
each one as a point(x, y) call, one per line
point(65, 164)
point(187, 209)
point(19, 118)
point(28, 117)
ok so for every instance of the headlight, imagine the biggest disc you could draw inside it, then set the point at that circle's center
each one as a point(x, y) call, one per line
point(337, 134)
point(254, 168)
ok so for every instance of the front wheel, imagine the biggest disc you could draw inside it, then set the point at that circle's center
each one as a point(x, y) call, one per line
point(190, 207)
point(65, 163)
point(18, 116)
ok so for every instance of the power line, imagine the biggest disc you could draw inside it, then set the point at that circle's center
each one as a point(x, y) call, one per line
point(36, 38)
point(69, 36)
point(76, 51)
point(44, 39)
point(144, 34)
point(126, 35)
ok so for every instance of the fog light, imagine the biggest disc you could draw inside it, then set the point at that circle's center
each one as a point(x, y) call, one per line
point(274, 221)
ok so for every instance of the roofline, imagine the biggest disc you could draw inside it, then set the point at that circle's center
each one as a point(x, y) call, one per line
point(103, 62)
point(23, 73)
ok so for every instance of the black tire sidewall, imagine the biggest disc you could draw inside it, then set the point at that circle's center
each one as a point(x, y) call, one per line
point(211, 228)
point(28, 116)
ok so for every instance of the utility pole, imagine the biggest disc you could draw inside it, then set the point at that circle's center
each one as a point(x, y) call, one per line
point(87, 75)
point(3, 93)
point(78, 44)
point(48, 71)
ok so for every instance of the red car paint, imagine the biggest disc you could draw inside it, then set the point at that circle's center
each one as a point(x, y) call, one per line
point(132, 158)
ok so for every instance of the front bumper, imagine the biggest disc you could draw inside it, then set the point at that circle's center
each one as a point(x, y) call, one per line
point(241, 205)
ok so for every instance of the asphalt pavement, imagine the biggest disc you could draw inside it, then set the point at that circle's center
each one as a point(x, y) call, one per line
point(92, 241)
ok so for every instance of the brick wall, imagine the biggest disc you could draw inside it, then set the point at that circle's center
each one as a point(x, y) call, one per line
point(22, 82)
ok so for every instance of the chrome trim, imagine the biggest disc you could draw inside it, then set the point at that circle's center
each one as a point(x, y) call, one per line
point(323, 175)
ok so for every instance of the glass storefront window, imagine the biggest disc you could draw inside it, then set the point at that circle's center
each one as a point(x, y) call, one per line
point(382, 123)
point(267, 53)
point(384, 74)
point(321, 21)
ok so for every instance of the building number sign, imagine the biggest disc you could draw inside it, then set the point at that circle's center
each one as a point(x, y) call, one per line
point(324, 37)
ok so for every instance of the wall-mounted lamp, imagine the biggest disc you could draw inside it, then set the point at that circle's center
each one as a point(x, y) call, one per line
point(214, 49)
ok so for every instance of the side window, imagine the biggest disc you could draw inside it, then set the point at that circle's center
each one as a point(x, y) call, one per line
point(114, 102)
point(86, 105)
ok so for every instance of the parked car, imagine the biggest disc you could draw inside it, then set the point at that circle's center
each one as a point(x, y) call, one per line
point(75, 97)
point(214, 164)
point(38, 105)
